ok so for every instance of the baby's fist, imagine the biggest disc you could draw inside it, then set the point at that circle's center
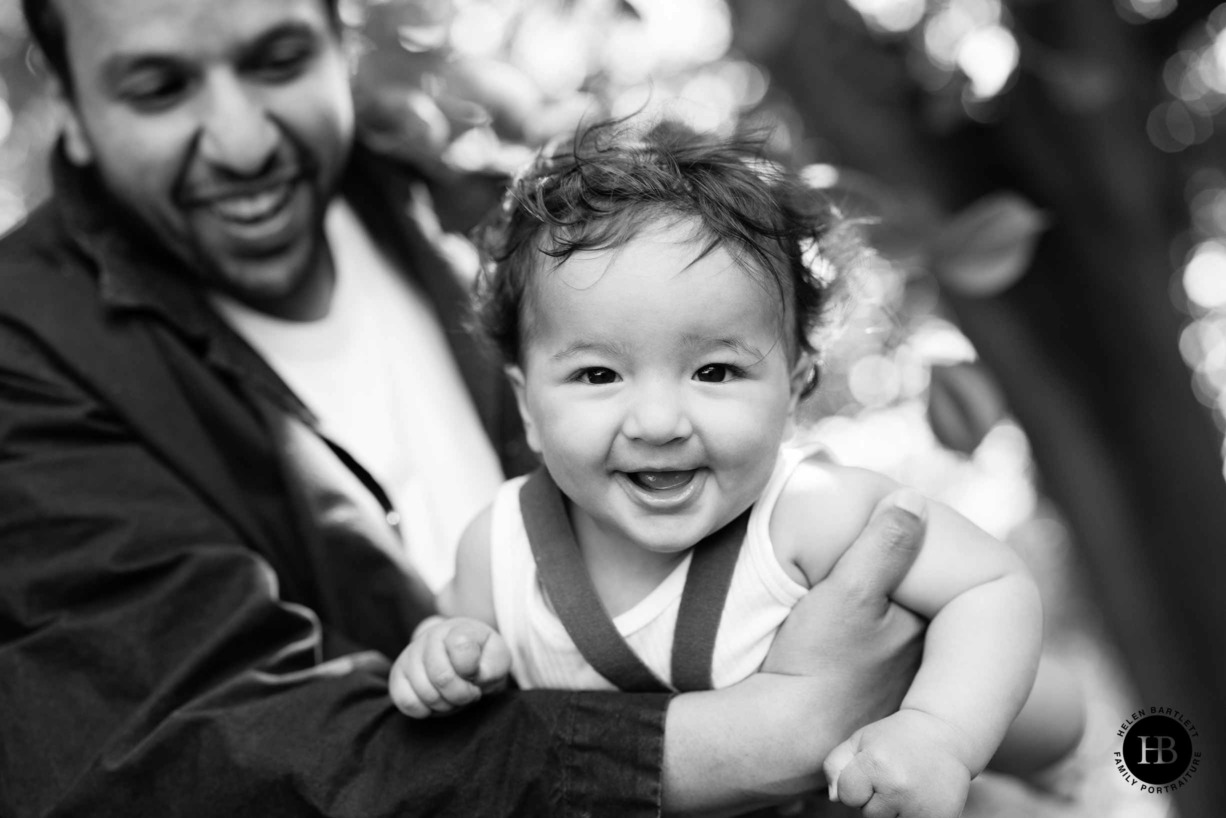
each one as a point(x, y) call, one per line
point(449, 664)
point(899, 766)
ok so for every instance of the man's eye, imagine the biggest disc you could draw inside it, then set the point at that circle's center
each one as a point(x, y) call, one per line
point(715, 373)
point(597, 376)
point(153, 91)
point(282, 61)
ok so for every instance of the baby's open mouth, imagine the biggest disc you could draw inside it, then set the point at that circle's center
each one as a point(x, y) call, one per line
point(661, 480)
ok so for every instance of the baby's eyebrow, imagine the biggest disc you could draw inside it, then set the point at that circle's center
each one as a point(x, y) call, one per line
point(705, 342)
point(607, 348)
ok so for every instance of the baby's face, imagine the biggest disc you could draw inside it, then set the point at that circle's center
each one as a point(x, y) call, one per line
point(656, 387)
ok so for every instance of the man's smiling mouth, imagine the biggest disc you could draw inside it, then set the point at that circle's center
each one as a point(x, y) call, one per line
point(248, 203)
point(254, 217)
point(254, 207)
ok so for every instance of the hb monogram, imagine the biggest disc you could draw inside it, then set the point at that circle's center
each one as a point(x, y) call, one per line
point(1163, 746)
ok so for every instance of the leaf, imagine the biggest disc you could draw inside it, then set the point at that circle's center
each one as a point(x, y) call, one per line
point(417, 26)
point(402, 122)
point(502, 89)
point(986, 248)
point(964, 404)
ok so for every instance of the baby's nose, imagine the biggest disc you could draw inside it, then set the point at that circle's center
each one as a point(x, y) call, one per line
point(658, 416)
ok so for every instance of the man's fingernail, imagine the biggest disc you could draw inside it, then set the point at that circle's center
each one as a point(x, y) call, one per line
point(910, 501)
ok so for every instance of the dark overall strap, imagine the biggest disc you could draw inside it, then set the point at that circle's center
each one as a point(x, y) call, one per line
point(702, 604)
point(573, 596)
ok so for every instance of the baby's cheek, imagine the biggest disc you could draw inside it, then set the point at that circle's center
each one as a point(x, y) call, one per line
point(576, 438)
point(748, 450)
point(750, 462)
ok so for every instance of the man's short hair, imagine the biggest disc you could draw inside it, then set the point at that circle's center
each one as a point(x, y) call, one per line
point(597, 191)
point(47, 28)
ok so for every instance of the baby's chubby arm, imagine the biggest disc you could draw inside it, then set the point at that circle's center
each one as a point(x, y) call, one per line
point(451, 662)
point(982, 645)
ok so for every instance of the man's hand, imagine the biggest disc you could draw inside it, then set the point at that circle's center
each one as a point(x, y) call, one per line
point(449, 664)
point(847, 625)
point(848, 617)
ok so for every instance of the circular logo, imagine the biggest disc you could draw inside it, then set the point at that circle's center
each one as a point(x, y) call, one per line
point(1157, 750)
point(1157, 754)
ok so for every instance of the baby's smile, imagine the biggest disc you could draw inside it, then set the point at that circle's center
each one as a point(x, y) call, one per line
point(662, 480)
point(670, 490)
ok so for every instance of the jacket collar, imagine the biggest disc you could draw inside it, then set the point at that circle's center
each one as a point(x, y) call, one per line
point(137, 275)
point(134, 272)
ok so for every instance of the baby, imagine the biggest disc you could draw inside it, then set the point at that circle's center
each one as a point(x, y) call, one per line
point(654, 293)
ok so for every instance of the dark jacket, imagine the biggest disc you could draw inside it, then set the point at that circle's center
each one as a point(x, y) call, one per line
point(178, 633)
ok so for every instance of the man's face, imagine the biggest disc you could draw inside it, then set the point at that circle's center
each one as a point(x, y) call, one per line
point(223, 125)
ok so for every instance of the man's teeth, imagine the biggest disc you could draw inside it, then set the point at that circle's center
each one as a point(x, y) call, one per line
point(662, 480)
point(251, 208)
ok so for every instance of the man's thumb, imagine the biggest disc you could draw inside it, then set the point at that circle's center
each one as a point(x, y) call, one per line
point(883, 553)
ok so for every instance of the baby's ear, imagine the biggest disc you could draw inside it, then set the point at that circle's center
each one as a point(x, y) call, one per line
point(802, 379)
point(519, 384)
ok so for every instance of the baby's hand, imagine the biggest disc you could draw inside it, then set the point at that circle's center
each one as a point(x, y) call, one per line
point(449, 664)
point(905, 765)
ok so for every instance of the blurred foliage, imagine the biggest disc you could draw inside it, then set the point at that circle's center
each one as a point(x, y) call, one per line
point(483, 82)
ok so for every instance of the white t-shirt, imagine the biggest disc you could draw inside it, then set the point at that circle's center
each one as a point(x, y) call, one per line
point(378, 373)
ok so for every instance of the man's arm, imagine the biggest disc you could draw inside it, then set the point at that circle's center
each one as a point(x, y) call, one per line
point(148, 667)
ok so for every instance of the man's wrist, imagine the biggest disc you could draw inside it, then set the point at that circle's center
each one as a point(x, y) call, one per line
point(757, 743)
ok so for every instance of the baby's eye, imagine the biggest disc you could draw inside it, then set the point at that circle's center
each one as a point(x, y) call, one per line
point(715, 373)
point(597, 376)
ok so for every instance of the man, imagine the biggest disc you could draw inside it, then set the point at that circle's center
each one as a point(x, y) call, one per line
point(202, 569)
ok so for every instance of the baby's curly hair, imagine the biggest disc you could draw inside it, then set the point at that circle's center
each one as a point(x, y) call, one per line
point(598, 190)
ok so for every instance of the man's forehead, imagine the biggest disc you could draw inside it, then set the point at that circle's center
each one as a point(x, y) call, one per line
point(178, 26)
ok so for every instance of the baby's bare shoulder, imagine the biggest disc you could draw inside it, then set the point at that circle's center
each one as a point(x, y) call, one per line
point(822, 509)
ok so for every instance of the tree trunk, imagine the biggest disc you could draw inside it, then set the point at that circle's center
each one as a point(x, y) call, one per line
point(1086, 345)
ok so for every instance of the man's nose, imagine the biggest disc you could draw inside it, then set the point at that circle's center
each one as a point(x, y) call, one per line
point(236, 132)
point(657, 415)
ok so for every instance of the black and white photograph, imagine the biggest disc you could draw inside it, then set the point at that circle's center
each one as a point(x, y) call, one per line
point(612, 408)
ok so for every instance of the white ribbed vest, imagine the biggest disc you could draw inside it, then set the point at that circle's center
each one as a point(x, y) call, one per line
point(542, 653)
